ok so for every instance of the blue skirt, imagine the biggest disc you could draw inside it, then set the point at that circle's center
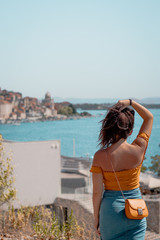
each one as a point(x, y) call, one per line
point(113, 222)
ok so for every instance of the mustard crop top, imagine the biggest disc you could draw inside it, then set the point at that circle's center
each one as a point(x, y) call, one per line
point(128, 179)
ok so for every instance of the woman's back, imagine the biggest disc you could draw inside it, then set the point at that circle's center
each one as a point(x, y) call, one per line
point(123, 156)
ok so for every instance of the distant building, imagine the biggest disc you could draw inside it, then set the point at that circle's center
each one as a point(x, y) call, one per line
point(48, 104)
point(8, 100)
point(47, 97)
point(29, 101)
point(13, 116)
point(14, 107)
point(19, 111)
point(5, 109)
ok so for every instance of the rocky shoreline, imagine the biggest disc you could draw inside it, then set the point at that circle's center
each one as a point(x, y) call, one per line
point(55, 118)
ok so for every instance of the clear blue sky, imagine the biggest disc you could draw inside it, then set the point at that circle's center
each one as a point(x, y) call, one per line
point(85, 48)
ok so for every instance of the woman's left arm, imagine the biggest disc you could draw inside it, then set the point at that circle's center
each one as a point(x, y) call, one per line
point(97, 197)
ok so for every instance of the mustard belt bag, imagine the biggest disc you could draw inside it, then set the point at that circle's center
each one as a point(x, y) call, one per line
point(135, 208)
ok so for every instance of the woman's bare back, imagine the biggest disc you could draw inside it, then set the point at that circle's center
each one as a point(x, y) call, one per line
point(123, 156)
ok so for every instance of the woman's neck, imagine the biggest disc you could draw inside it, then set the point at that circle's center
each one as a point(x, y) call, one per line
point(118, 143)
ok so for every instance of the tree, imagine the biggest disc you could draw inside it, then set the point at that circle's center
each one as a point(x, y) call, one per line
point(155, 164)
point(73, 108)
point(144, 168)
point(7, 191)
point(66, 110)
point(85, 114)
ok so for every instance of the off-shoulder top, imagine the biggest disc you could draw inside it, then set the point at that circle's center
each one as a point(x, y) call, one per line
point(128, 179)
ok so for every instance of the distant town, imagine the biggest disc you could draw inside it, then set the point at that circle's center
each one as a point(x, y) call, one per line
point(14, 108)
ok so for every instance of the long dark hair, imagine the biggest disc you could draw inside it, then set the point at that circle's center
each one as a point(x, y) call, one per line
point(117, 124)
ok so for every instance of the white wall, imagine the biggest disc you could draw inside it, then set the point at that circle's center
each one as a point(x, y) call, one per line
point(37, 171)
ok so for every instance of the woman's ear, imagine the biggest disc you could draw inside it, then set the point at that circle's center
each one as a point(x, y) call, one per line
point(130, 132)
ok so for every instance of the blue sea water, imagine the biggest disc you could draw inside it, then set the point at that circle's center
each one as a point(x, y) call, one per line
point(84, 132)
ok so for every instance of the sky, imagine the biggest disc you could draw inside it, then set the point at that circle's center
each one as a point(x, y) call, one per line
point(80, 48)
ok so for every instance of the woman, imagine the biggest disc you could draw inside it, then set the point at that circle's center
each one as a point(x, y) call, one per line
point(126, 160)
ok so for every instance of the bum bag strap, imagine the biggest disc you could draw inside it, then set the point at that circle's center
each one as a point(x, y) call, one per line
point(117, 180)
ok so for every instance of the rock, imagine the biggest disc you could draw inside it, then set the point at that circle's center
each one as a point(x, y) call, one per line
point(149, 180)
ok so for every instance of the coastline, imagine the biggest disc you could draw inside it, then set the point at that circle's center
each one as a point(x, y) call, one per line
point(37, 119)
point(106, 106)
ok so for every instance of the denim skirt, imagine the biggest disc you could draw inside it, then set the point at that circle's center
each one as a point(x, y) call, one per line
point(113, 222)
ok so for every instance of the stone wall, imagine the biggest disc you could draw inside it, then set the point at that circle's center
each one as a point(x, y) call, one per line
point(84, 217)
point(153, 220)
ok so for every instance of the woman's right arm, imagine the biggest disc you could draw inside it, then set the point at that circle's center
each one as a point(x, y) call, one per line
point(143, 112)
point(147, 118)
point(146, 127)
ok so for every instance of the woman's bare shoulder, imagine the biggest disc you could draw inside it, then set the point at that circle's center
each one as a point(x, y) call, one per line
point(139, 145)
point(135, 154)
point(99, 156)
point(100, 152)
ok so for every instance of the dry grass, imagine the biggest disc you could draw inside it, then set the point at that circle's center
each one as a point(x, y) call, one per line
point(83, 216)
point(39, 223)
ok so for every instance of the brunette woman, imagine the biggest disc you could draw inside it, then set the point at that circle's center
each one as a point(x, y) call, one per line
point(126, 160)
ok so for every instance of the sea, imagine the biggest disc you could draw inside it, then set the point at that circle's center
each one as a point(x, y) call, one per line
point(79, 137)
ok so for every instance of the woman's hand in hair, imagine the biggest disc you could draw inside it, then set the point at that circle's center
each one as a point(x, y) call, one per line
point(124, 103)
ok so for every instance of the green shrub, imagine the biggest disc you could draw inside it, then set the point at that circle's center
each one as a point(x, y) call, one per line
point(66, 110)
point(7, 191)
point(155, 164)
